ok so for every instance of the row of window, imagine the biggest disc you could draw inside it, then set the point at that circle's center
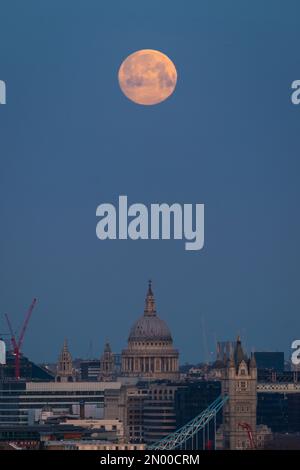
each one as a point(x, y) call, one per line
point(138, 343)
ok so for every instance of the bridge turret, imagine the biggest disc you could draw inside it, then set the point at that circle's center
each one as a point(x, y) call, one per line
point(239, 382)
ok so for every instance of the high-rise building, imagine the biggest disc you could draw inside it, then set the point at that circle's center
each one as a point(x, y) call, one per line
point(272, 410)
point(194, 397)
point(279, 411)
point(191, 399)
point(147, 410)
point(131, 407)
point(270, 360)
point(159, 413)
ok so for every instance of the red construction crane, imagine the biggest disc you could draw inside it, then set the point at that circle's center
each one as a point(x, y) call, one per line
point(17, 344)
point(248, 428)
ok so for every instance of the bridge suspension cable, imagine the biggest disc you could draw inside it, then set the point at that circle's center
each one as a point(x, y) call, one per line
point(192, 428)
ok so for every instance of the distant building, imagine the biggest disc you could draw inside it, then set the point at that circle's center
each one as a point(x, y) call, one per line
point(239, 382)
point(159, 413)
point(2, 352)
point(32, 437)
point(194, 397)
point(130, 408)
point(270, 360)
point(65, 371)
point(106, 364)
point(152, 410)
point(150, 353)
point(224, 348)
point(91, 445)
point(90, 370)
point(147, 410)
point(69, 435)
point(103, 369)
point(283, 442)
point(22, 403)
point(272, 376)
point(191, 399)
point(279, 411)
point(273, 411)
point(28, 370)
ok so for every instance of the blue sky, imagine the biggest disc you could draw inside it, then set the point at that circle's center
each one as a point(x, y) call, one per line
point(228, 137)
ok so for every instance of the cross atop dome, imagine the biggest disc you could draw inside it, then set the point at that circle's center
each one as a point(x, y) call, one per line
point(150, 287)
point(150, 308)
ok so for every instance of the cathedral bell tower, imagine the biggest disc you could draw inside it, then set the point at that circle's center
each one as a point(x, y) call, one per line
point(65, 371)
point(106, 364)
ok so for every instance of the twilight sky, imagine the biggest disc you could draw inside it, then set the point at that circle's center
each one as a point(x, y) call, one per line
point(228, 137)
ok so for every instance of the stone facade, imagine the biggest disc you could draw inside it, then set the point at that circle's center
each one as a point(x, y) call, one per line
point(239, 382)
point(150, 353)
point(65, 371)
point(106, 364)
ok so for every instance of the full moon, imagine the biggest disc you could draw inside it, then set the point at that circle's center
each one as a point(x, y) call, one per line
point(147, 77)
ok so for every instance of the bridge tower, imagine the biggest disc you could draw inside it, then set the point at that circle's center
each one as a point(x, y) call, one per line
point(239, 382)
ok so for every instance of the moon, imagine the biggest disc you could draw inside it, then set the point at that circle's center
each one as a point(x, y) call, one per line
point(147, 77)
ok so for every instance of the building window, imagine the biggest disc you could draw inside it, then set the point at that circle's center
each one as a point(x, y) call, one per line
point(243, 385)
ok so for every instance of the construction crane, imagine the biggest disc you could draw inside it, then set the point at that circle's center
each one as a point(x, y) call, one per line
point(249, 431)
point(17, 343)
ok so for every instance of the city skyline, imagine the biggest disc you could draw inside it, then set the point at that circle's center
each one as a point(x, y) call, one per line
point(94, 350)
point(226, 137)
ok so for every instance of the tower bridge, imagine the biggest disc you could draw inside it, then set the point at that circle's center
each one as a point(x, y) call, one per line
point(238, 402)
point(150, 355)
point(279, 387)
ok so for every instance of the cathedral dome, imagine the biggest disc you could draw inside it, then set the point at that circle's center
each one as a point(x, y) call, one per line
point(150, 353)
point(150, 327)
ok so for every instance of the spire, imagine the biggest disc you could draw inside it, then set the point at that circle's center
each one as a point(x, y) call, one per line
point(65, 346)
point(231, 360)
point(253, 361)
point(106, 364)
point(239, 354)
point(65, 365)
point(65, 354)
point(150, 308)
